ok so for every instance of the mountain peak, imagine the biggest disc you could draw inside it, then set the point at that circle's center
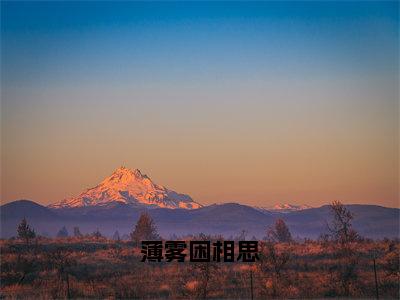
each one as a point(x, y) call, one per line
point(125, 170)
point(129, 187)
point(123, 173)
point(122, 169)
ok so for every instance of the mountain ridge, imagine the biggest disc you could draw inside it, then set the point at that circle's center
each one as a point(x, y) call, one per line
point(228, 219)
point(283, 207)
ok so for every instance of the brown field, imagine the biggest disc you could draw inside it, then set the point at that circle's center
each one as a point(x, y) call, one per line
point(101, 268)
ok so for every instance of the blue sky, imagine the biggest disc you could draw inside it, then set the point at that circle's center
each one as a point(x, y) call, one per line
point(302, 95)
point(109, 41)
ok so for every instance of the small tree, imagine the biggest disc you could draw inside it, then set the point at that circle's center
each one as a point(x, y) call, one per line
point(273, 263)
point(24, 265)
point(116, 236)
point(62, 233)
point(97, 234)
point(62, 261)
point(343, 235)
point(25, 232)
point(77, 232)
point(145, 229)
point(280, 232)
point(206, 274)
point(341, 230)
point(242, 235)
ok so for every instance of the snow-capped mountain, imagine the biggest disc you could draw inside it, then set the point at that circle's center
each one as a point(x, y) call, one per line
point(129, 187)
point(283, 208)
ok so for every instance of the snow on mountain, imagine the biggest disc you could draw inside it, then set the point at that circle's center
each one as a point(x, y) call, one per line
point(283, 208)
point(129, 187)
point(291, 207)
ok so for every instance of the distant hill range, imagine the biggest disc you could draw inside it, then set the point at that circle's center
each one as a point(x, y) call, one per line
point(116, 203)
point(226, 219)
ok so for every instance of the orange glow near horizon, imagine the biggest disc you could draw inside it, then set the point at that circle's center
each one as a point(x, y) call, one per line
point(259, 155)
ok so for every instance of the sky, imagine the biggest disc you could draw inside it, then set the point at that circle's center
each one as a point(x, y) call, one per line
point(258, 103)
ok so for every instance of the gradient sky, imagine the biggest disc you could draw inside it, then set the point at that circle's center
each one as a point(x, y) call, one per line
point(258, 103)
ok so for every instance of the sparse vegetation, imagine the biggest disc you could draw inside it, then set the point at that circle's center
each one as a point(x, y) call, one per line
point(280, 232)
point(63, 232)
point(86, 268)
point(25, 232)
point(77, 232)
point(92, 266)
point(145, 229)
